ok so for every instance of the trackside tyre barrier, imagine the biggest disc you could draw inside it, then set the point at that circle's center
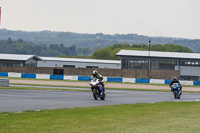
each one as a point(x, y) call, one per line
point(88, 78)
point(71, 78)
point(25, 75)
point(14, 75)
point(128, 80)
point(196, 83)
point(3, 74)
point(84, 78)
point(111, 79)
point(142, 80)
point(167, 81)
point(59, 77)
point(42, 76)
point(157, 81)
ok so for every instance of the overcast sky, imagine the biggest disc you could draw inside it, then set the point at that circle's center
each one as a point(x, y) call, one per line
point(169, 18)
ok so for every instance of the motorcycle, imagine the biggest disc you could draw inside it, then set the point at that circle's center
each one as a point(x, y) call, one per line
point(176, 90)
point(97, 89)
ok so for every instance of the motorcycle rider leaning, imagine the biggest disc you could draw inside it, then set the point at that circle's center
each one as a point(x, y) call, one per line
point(100, 77)
point(174, 80)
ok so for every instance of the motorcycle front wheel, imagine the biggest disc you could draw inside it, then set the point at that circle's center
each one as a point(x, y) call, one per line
point(175, 94)
point(103, 96)
point(95, 93)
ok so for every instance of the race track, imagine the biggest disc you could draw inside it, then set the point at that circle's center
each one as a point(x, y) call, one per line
point(21, 100)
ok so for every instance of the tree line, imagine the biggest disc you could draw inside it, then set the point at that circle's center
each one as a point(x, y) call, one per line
point(22, 47)
point(110, 52)
point(93, 41)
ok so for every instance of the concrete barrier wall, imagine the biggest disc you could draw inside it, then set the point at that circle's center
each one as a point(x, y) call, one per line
point(88, 78)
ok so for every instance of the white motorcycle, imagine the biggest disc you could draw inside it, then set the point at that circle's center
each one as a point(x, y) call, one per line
point(97, 89)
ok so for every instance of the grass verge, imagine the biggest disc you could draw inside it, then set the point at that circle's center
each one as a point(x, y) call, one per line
point(51, 85)
point(39, 88)
point(139, 89)
point(166, 117)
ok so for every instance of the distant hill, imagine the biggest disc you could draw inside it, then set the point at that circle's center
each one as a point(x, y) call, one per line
point(93, 41)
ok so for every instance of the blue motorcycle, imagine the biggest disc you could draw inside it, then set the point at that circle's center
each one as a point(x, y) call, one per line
point(176, 90)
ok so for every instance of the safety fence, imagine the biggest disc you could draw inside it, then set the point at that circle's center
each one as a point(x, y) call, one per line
point(88, 78)
point(4, 82)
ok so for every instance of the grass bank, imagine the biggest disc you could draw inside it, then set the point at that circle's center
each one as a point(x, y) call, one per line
point(167, 117)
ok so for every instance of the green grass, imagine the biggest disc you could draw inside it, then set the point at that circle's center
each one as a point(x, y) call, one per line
point(140, 89)
point(40, 88)
point(166, 117)
point(51, 85)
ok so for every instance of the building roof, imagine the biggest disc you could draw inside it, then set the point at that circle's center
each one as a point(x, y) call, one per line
point(80, 60)
point(22, 57)
point(158, 54)
point(17, 57)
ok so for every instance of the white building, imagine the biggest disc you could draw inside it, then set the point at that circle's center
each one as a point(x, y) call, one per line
point(21, 60)
point(78, 63)
point(18, 60)
point(187, 63)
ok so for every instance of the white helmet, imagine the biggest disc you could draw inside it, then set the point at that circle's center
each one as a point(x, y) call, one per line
point(94, 73)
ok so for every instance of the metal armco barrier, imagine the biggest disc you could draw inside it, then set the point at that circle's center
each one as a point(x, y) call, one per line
point(4, 82)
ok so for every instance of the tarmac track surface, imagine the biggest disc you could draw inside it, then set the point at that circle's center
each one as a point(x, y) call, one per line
point(21, 100)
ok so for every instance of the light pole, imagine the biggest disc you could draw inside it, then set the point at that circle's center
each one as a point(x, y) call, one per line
point(149, 60)
point(0, 16)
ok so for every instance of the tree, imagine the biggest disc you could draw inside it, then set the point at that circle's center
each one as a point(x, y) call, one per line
point(104, 53)
point(9, 40)
point(110, 52)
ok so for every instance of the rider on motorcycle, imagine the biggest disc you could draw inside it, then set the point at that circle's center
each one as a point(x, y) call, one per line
point(174, 80)
point(100, 77)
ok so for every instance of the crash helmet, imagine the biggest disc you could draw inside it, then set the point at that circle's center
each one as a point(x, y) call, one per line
point(94, 73)
point(174, 79)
